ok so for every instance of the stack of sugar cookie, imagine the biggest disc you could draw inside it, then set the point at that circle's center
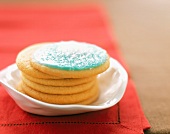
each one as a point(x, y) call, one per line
point(62, 72)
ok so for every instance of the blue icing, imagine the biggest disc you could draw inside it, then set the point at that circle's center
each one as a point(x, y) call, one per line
point(70, 55)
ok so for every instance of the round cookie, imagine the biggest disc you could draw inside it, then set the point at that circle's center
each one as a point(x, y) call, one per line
point(23, 63)
point(70, 59)
point(59, 82)
point(58, 90)
point(85, 97)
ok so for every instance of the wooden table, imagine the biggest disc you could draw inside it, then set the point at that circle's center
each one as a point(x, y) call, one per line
point(142, 29)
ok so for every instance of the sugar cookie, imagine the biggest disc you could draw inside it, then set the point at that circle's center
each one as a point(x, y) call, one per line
point(56, 89)
point(79, 98)
point(70, 59)
point(60, 82)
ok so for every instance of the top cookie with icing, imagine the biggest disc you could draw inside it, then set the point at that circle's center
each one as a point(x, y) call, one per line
point(70, 55)
point(70, 59)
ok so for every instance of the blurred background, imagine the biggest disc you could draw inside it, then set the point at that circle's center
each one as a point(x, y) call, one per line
point(142, 29)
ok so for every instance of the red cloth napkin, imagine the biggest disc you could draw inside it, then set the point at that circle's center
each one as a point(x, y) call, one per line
point(22, 26)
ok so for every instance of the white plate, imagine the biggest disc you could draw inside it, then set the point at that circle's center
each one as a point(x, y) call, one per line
point(112, 85)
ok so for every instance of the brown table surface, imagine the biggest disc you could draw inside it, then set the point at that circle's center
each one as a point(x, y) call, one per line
point(142, 28)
